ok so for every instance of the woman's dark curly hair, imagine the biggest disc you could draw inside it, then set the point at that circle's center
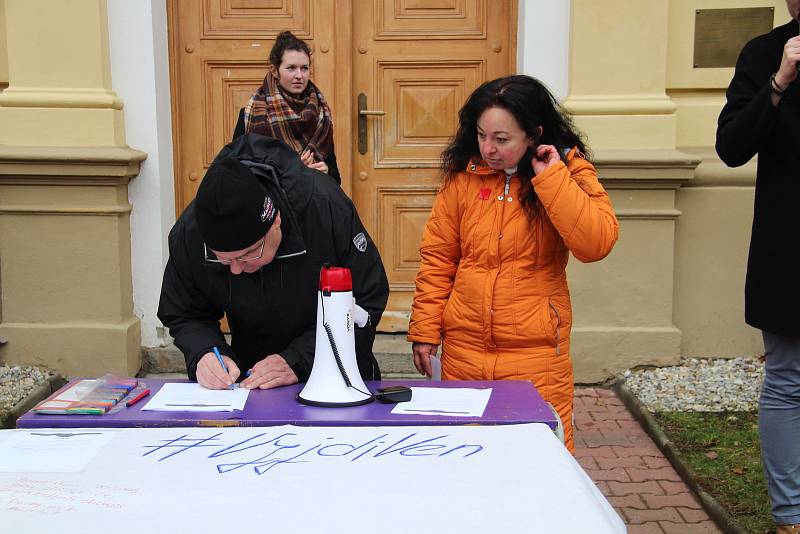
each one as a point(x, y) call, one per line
point(286, 41)
point(532, 105)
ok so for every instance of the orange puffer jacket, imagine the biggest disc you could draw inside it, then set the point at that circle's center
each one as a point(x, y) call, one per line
point(492, 286)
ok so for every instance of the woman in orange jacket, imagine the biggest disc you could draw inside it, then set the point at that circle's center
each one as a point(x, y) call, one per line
point(518, 196)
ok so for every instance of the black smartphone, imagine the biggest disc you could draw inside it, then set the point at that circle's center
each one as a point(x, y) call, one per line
point(393, 394)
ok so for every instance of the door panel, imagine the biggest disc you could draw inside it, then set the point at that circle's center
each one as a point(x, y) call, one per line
point(423, 98)
point(417, 61)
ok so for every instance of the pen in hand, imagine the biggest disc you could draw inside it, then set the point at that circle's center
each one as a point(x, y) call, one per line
point(222, 363)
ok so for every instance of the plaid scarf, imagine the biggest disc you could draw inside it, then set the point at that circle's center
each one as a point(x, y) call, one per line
point(301, 123)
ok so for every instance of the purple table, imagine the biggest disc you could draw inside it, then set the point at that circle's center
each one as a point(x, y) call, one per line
point(511, 402)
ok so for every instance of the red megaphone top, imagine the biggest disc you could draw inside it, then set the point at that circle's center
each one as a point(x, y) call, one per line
point(335, 279)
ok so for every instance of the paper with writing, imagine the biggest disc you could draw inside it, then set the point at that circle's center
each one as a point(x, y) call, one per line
point(192, 397)
point(454, 402)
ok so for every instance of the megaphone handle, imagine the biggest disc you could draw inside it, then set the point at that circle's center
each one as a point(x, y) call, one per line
point(336, 355)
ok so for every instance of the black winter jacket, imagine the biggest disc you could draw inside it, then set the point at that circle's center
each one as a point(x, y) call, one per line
point(273, 311)
point(750, 125)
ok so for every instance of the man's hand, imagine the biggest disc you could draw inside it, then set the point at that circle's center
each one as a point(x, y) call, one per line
point(787, 72)
point(545, 156)
point(422, 357)
point(271, 372)
point(211, 375)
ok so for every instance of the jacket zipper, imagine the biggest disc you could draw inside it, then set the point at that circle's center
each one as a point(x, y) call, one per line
point(506, 188)
point(558, 326)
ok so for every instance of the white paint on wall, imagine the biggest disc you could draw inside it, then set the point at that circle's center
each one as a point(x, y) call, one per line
point(140, 76)
point(543, 35)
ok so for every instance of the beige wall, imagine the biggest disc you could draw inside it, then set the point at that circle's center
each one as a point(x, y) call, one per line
point(673, 286)
point(65, 263)
point(3, 48)
point(713, 232)
point(624, 306)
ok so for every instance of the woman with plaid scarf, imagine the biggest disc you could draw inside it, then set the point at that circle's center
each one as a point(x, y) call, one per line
point(288, 106)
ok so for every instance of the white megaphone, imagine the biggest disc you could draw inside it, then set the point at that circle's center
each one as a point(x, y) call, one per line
point(335, 380)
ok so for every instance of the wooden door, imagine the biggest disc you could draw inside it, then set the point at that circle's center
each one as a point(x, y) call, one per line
point(417, 61)
point(219, 54)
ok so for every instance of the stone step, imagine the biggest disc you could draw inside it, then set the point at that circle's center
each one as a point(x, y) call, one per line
point(392, 351)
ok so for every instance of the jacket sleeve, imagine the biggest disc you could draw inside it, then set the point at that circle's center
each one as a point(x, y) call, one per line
point(370, 285)
point(299, 354)
point(191, 319)
point(440, 254)
point(748, 113)
point(579, 208)
point(333, 167)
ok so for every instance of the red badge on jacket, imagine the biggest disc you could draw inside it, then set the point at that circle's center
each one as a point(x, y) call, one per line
point(484, 193)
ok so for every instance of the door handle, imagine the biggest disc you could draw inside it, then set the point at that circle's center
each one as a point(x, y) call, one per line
point(363, 113)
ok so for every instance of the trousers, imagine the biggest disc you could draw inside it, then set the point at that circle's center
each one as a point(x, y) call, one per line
point(779, 426)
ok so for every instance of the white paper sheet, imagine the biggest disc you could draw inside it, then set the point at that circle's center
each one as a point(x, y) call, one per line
point(452, 402)
point(192, 397)
point(436, 368)
point(52, 451)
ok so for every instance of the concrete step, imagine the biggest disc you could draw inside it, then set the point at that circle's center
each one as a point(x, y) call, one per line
point(392, 351)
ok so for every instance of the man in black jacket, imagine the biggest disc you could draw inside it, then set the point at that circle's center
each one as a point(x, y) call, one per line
point(251, 245)
point(762, 116)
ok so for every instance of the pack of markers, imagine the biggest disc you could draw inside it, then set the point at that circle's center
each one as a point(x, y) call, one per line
point(88, 396)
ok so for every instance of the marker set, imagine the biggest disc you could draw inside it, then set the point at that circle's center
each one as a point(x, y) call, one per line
point(89, 397)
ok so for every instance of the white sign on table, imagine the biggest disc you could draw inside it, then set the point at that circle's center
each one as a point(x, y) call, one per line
point(509, 478)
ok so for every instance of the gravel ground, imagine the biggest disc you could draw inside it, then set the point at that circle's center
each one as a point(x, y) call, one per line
point(17, 382)
point(699, 385)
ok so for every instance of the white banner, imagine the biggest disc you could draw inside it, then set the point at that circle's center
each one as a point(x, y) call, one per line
point(508, 478)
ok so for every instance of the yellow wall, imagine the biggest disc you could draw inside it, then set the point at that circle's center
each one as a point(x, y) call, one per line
point(673, 286)
point(617, 74)
point(3, 47)
point(713, 232)
point(699, 93)
point(65, 287)
point(59, 71)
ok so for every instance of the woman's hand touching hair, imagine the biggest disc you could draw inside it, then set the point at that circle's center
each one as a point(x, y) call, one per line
point(544, 156)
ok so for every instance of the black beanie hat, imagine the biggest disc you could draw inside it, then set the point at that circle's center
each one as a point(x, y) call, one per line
point(232, 207)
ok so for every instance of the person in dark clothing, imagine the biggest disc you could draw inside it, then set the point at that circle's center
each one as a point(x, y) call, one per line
point(762, 116)
point(289, 107)
point(251, 245)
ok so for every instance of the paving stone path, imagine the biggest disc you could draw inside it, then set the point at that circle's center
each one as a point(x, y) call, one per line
point(631, 471)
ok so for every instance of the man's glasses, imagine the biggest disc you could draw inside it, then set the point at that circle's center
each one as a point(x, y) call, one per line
point(210, 256)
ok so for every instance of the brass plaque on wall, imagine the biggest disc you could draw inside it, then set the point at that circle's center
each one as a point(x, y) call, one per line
point(720, 34)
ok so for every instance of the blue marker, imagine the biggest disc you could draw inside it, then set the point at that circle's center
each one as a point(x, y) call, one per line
point(222, 363)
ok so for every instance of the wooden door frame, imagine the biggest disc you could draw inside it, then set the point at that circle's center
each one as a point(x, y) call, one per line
point(345, 101)
point(174, 77)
